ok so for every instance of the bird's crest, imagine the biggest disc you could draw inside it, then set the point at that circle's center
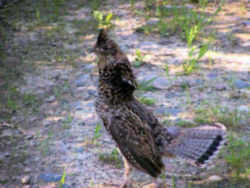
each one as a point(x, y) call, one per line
point(105, 45)
point(102, 37)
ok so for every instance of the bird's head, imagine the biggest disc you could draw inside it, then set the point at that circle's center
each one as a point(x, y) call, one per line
point(105, 48)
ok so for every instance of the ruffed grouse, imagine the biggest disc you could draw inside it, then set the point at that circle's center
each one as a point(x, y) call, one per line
point(140, 137)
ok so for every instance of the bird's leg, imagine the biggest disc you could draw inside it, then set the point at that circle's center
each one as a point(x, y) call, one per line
point(127, 178)
point(158, 183)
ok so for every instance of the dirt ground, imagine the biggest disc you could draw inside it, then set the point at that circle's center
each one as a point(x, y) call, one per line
point(48, 78)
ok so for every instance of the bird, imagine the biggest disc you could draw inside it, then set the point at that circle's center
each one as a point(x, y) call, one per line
point(140, 137)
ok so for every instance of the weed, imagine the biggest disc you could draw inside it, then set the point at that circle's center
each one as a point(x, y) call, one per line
point(167, 70)
point(163, 27)
point(29, 99)
point(209, 114)
point(132, 4)
point(44, 145)
point(185, 123)
point(173, 182)
point(192, 63)
point(111, 158)
point(12, 104)
point(95, 4)
point(66, 123)
point(62, 180)
point(146, 85)
point(57, 92)
point(97, 133)
point(237, 156)
point(103, 21)
point(147, 101)
point(139, 59)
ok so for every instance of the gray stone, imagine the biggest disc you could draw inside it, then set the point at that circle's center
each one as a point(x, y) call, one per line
point(161, 83)
point(30, 137)
point(79, 149)
point(7, 154)
point(244, 108)
point(27, 170)
point(170, 110)
point(214, 178)
point(92, 92)
point(65, 186)
point(49, 177)
point(26, 180)
point(89, 67)
point(152, 21)
point(82, 80)
point(246, 23)
point(212, 75)
point(3, 179)
point(220, 87)
point(7, 133)
point(240, 84)
point(50, 99)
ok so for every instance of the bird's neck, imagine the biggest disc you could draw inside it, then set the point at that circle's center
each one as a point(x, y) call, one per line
point(114, 95)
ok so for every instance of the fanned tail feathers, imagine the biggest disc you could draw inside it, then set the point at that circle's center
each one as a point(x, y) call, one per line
point(199, 145)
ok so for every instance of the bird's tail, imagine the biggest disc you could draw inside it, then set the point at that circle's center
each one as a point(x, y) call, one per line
point(198, 145)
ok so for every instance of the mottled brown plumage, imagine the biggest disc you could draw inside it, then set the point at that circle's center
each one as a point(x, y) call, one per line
point(142, 140)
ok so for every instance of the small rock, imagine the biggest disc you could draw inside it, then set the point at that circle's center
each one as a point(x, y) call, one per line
point(92, 92)
point(152, 21)
point(244, 108)
point(173, 111)
point(26, 179)
point(27, 170)
point(82, 80)
point(161, 83)
point(26, 186)
point(7, 154)
point(212, 75)
point(240, 84)
point(164, 111)
point(220, 87)
point(79, 149)
point(3, 179)
point(65, 186)
point(29, 137)
point(89, 67)
point(214, 178)
point(246, 23)
point(7, 133)
point(49, 177)
point(50, 99)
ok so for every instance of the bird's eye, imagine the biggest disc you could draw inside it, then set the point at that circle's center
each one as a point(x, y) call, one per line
point(106, 74)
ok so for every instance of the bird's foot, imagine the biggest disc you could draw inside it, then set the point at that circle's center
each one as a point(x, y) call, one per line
point(126, 184)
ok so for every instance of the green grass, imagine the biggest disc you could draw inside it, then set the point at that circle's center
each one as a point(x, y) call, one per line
point(188, 23)
point(185, 123)
point(66, 124)
point(97, 133)
point(146, 85)
point(112, 158)
point(104, 21)
point(194, 56)
point(62, 180)
point(237, 156)
point(231, 118)
point(147, 101)
point(139, 59)
point(45, 144)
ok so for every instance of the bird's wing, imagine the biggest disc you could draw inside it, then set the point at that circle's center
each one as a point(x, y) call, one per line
point(136, 143)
